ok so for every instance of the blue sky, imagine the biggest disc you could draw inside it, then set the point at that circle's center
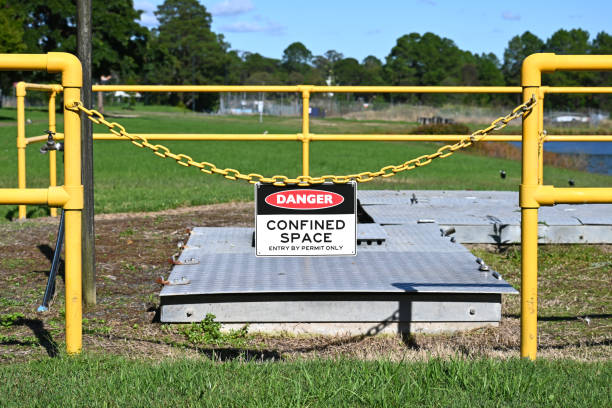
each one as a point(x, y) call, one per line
point(360, 28)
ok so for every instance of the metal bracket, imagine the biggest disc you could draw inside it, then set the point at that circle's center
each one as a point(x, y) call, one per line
point(174, 282)
point(190, 261)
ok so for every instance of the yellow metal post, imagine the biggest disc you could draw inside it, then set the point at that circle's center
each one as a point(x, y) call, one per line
point(305, 132)
point(52, 153)
point(20, 91)
point(72, 78)
point(529, 233)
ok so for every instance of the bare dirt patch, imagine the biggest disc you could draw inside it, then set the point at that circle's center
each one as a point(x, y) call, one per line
point(133, 251)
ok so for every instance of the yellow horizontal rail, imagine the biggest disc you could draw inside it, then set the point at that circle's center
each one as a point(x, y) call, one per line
point(576, 89)
point(309, 88)
point(329, 137)
point(195, 88)
point(550, 195)
point(418, 89)
point(326, 89)
point(43, 87)
point(52, 196)
point(446, 138)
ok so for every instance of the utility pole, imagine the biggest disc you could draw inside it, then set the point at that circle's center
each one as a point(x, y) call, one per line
point(88, 247)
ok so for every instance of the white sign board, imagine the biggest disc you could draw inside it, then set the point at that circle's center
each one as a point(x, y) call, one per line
point(318, 220)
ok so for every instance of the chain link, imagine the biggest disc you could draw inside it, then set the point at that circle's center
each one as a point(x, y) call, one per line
point(279, 180)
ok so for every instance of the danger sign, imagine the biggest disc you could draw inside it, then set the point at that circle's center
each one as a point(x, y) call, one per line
point(305, 221)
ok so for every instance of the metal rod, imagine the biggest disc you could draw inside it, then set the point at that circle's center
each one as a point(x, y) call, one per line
point(50, 289)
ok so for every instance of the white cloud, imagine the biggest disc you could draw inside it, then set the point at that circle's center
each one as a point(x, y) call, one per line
point(509, 15)
point(267, 27)
point(231, 7)
point(147, 18)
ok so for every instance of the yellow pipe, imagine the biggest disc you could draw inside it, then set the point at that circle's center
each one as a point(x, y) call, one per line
point(578, 138)
point(312, 89)
point(550, 195)
point(532, 194)
point(323, 89)
point(52, 153)
point(57, 196)
point(418, 89)
point(529, 233)
point(195, 88)
point(529, 282)
point(72, 82)
point(44, 88)
point(576, 89)
point(306, 131)
point(37, 139)
point(70, 68)
point(20, 92)
point(330, 137)
point(535, 64)
point(196, 137)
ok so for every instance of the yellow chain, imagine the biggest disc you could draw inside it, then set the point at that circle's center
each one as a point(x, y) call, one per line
point(278, 180)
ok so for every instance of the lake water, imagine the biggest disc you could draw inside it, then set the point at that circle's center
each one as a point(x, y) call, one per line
point(599, 154)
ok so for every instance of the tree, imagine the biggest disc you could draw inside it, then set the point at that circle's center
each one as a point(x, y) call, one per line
point(602, 44)
point(254, 63)
point(519, 48)
point(489, 74)
point(118, 40)
point(11, 40)
point(574, 41)
point(347, 72)
point(372, 71)
point(11, 29)
point(184, 50)
point(425, 60)
point(296, 58)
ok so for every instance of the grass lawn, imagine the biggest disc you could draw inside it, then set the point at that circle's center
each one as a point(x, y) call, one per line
point(100, 381)
point(131, 179)
point(132, 360)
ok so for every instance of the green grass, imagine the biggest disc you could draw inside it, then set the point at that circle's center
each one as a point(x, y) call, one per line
point(573, 284)
point(100, 381)
point(131, 179)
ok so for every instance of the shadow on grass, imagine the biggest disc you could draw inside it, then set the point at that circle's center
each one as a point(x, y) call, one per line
point(589, 343)
point(42, 335)
point(34, 211)
point(214, 353)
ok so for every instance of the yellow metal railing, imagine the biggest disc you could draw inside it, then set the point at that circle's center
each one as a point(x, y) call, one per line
point(70, 195)
point(22, 142)
point(532, 193)
point(305, 137)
